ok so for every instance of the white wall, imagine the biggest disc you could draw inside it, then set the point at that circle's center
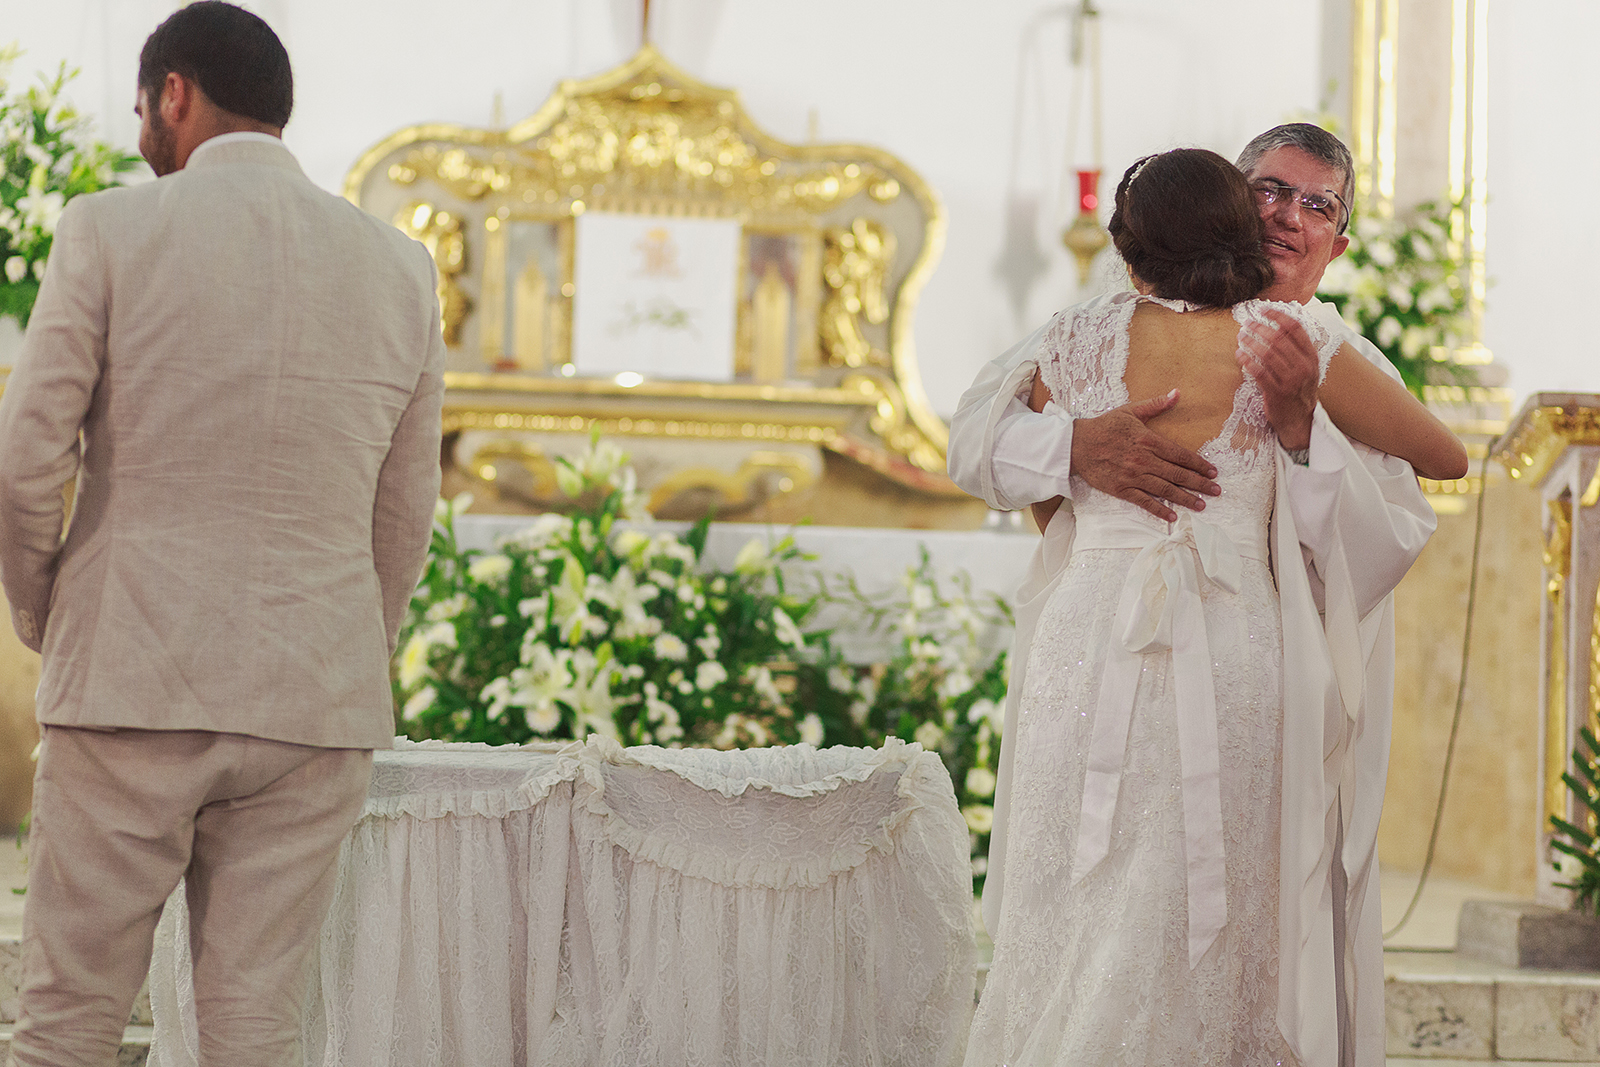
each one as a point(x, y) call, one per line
point(934, 81)
point(1544, 91)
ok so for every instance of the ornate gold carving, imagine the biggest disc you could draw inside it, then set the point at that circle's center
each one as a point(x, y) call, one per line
point(648, 138)
point(524, 470)
point(1540, 434)
point(769, 343)
point(644, 141)
point(625, 426)
point(440, 232)
point(855, 265)
point(1558, 567)
point(891, 420)
point(762, 476)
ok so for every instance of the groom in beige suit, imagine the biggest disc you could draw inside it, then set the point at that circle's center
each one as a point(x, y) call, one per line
point(245, 375)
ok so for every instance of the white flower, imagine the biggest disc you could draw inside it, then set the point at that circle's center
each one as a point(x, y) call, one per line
point(543, 718)
point(497, 694)
point(859, 712)
point(42, 210)
point(955, 683)
point(570, 602)
point(752, 558)
point(986, 709)
point(448, 608)
point(980, 865)
point(603, 460)
point(840, 681)
point(1399, 295)
point(981, 782)
point(1382, 253)
point(811, 729)
point(1389, 331)
point(709, 644)
point(663, 715)
point(787, 632)
point(709, 675)
point(930, 735)
point(544, 530)
point(668, 545)
point(38, 270)
point(629, 598)
point(452, 508)
point(921, 596)
point(420, 702)
point(442, 634)
point(760, 679)
point(670, 647)
point(413, 661)
point(631, 542)
point(569, 480)
point(1413, 341)
point(490, 570)
point(980, 818)
point(1339, 277)
point(16, 269)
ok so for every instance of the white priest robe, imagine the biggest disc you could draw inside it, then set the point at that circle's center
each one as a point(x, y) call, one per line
point(1351, 502)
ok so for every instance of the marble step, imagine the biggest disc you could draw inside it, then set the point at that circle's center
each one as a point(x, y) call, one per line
point(1443, 1008)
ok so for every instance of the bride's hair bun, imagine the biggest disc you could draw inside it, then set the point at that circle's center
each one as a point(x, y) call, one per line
point(1186, 224)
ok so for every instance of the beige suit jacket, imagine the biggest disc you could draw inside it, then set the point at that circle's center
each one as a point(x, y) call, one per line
point(256, 370)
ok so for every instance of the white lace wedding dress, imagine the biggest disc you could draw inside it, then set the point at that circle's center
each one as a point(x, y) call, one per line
point(1097, 969)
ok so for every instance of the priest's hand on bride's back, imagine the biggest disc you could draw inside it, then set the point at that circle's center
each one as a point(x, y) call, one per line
point(1118, 454)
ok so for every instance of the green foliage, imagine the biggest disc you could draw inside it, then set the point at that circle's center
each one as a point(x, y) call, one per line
point(1403, 285)
point(595, 622)
point(1581, 865)
point(46, 159)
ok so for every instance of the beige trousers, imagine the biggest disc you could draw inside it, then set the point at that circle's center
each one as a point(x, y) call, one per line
point(118, 817)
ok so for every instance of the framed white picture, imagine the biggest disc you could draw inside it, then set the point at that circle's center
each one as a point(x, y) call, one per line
point(656, 296)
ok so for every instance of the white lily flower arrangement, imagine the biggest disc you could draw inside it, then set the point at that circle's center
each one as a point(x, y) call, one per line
point(1402, 284)
point(576, 625)
point(46, 159)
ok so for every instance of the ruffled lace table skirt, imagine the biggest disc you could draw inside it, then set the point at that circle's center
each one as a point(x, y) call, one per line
point(589, 904)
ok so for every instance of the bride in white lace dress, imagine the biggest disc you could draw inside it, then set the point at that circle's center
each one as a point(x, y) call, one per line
point(1140, 921)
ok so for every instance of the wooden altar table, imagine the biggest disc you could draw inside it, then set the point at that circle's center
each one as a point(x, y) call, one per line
point(589, 904)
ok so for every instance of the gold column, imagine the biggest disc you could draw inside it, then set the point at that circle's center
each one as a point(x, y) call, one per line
point(1558, 569)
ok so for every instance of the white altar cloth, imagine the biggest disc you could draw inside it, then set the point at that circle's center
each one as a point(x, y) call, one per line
point(589, 904)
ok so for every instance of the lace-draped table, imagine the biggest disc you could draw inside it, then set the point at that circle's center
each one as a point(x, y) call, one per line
point(589, 904)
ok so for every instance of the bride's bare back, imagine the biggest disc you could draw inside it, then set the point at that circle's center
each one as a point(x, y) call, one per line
point(1192, 352)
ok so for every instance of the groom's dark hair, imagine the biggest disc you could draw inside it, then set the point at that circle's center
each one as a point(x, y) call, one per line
point(233, 56)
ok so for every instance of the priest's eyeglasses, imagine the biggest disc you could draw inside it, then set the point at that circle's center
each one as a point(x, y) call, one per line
point(1270, 192)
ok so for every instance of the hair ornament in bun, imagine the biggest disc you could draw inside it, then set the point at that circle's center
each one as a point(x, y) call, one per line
point(1138, 168)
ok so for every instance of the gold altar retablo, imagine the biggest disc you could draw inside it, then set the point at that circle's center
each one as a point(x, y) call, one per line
point(819, 408)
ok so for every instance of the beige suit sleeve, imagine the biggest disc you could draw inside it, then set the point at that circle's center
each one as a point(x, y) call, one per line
point(46, 399)
point(408, 487)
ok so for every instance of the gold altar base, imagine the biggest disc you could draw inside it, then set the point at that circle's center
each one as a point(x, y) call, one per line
point(847, 492)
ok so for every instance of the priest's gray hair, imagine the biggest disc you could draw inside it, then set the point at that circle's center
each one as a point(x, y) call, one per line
point(1315, 142)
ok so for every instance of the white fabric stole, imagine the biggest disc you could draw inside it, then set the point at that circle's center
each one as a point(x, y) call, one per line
point(1161, 611)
